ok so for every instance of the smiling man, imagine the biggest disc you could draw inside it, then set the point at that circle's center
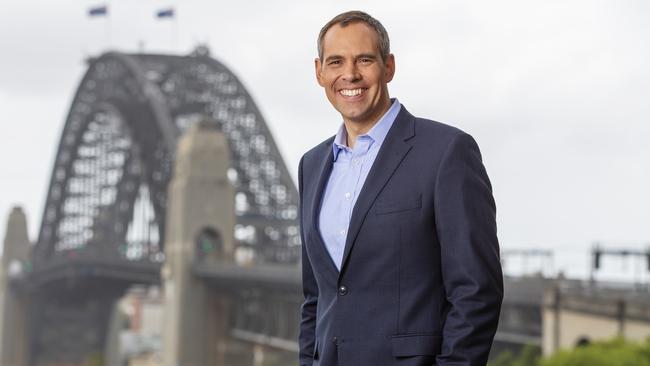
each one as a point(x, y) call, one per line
point(400, 254)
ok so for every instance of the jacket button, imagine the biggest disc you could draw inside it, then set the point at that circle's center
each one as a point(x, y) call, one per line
point(335, 340)
point(343, 290)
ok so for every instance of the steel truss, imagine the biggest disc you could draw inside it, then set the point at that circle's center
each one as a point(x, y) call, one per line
point(107, 194)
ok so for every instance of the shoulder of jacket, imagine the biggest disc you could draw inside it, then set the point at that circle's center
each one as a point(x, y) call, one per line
point(318, 150)
point(437, 129)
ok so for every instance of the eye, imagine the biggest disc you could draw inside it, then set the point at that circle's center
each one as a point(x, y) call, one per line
point(365, 60)
point(334, 62)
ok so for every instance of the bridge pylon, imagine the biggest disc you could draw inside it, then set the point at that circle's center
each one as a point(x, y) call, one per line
point(200, 227)
point(14, 302)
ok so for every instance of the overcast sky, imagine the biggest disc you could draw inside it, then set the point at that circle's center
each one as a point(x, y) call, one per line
point(557, 94)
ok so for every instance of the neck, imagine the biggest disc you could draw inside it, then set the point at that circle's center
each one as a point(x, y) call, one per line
point(354, 129)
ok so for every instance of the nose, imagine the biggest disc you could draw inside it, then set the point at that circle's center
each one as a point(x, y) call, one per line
point(351, 72)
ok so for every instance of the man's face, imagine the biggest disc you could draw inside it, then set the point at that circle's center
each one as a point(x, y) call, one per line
point(353, 73)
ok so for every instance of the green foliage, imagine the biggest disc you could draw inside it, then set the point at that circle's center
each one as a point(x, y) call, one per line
point(615, 352)
point(94, 359)
point(505, 358)
point(529, 356)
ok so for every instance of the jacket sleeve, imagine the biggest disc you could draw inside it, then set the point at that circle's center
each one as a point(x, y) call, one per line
point(466, 226)
point(310, 290)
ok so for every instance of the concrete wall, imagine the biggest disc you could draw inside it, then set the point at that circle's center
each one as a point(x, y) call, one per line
point(570, 317)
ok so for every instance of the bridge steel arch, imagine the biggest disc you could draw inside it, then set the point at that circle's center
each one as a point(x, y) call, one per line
point(103, 225)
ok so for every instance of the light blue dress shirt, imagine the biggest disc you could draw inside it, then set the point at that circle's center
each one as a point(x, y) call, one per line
point(351, 167)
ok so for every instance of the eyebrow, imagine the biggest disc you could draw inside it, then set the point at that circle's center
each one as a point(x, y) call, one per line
point(332, 58)
point(363, 55)
point(367, 55)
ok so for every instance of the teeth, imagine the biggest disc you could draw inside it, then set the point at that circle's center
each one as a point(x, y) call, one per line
point(351, 92)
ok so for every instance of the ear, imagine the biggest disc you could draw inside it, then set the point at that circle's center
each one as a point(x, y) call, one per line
point(319, 71)
point(390, 68)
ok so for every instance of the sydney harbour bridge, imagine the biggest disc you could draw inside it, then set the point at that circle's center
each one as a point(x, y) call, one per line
point(166, 174)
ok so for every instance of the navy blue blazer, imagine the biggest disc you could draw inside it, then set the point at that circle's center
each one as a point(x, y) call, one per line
point(421, 281)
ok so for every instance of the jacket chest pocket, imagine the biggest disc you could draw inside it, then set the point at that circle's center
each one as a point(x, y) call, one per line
point(398, 204)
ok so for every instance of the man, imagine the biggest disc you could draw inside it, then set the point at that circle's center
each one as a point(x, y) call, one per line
point(400, 254)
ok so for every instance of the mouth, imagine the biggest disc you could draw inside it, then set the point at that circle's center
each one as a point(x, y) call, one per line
point(351, 93)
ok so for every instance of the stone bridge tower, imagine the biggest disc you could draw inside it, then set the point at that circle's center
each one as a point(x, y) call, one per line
point(200, 226)
point(14, 302)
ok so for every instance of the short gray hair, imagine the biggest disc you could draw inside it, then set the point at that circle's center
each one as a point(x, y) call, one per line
point(344, 19)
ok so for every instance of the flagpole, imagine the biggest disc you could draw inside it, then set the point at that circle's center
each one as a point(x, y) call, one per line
point(108, 32)
point(175, 27)
point(174, 34)
point(102, 11)
point(107, 25)
point(166, 14)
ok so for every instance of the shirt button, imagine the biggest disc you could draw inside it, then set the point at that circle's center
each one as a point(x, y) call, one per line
point(348, 195)
point(355, 161)
point(342, 232)
point(343, 290)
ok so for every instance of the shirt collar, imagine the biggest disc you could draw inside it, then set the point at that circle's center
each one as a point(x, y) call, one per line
point(377, 133)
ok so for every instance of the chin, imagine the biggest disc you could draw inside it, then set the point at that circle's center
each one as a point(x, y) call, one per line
point(353, 117)
point(352, 113)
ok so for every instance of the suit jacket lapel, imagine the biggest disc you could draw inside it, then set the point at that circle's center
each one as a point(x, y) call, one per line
point(390, 155)
point(323, 170)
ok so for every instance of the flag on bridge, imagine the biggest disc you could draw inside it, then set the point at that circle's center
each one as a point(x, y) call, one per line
point(165, 13)
point(98, 11)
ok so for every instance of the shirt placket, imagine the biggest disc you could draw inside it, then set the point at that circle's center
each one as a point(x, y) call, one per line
point(353, 161)
point(347, 198)
point(356, 167)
